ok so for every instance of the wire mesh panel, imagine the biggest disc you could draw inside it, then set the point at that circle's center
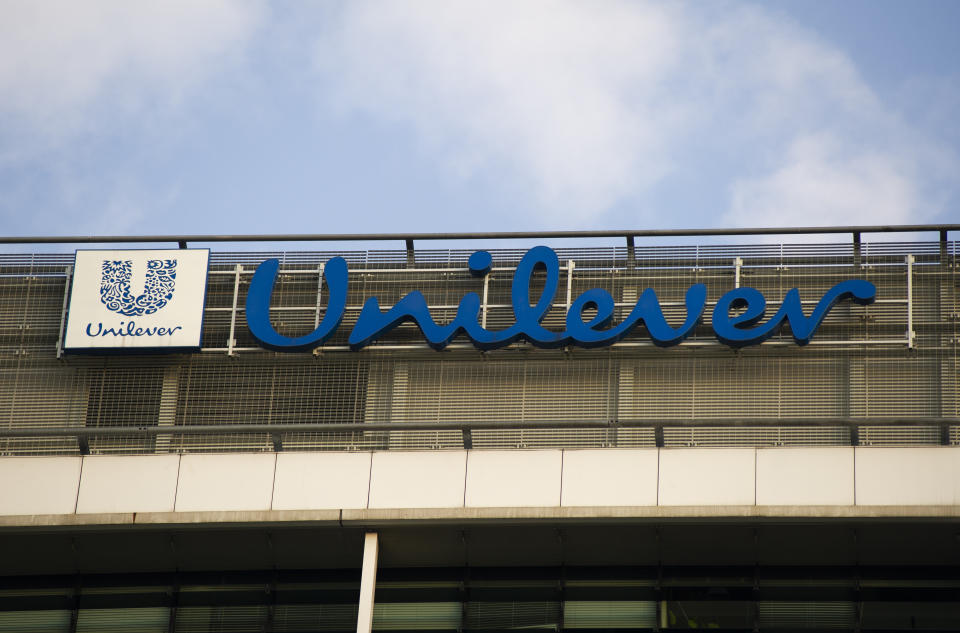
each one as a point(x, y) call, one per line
point(740, 436)
point(36, 621)
point(807, 615)
point(894, 435)
point(874, 365)
point(139, 620)
point(216, 619)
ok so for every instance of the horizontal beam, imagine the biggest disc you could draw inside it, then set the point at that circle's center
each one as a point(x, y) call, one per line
point(182, 240)
point(375, 427)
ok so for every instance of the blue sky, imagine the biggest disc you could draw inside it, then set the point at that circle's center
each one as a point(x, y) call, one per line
point(210, 116)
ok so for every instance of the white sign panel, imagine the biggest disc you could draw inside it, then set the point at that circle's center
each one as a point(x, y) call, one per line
point(137, 300)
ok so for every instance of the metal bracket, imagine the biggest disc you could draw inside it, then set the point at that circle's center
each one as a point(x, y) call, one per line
point(911, 335)
point(68, 274)
point(231, 340)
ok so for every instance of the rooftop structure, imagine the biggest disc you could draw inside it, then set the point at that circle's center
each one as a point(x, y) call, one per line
point(534, 467)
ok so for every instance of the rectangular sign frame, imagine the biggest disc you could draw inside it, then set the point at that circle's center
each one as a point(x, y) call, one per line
point(137, 300)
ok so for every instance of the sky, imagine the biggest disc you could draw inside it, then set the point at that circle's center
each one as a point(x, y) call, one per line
point(248, 117)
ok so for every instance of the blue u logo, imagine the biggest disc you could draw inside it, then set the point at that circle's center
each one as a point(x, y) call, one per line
point(115, 291)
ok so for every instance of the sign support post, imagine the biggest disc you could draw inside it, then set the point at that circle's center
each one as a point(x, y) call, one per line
point(368, 582)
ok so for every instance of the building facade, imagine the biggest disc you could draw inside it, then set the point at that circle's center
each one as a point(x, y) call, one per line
point(553, 476)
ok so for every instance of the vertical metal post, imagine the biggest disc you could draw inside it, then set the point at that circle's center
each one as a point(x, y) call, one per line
point(944, 250)
point(231, 340)
point(910, 333)
point(167, 413)
point(316, 312)
point(737, 263)
point(368, 582)
point(411, 258)
point(486, 292)
point(174, 601)
point(631, 253)
point(856, 249)
point(68, 273)
point(75, 597)
point(570, 266)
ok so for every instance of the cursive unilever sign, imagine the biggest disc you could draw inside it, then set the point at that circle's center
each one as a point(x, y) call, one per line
point(738, 317)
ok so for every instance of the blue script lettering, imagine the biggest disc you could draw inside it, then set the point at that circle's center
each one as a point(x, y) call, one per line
point(258, 307)
point(131, 329)
point(373, 322)
point(739, 331)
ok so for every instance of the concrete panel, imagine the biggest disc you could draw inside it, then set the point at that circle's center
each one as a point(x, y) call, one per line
point(321, 481)
point(417, 479)
point(128, 483)
point(707, 476)
point(608, 477)
point(805, 476)
point(502, 479)
point(39, 485)
point(908, 476)
point(218, 483)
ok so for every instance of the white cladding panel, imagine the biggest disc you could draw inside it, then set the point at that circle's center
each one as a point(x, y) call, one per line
point(707, 476)
point(908, 476)
point(321, 481)
point(39, 485)
point(417, 479)
point(225, 482)
point(481, 478)
point(609, 477)
point(501, 479)
point(805, 476)
point(128, 483)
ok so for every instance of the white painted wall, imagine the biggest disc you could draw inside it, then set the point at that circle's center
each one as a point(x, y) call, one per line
point(321, 481)
point(603, 477)
point(805, 476)
point(840, 476)
point(908, 476)
point(417, 479)
point(39, 485)
point(707, 477)
point(512, 479)
point(128, 483)
point(224, 482)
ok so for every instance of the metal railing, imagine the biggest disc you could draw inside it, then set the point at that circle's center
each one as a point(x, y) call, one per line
point(855, 231)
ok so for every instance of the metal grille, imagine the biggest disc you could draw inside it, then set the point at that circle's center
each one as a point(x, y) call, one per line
point(807, 615)
point(734, 436)
point(863, 364)
point(892, 435)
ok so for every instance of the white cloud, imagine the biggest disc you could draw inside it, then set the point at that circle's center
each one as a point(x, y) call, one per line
point(588, 105)
point(821, 185)
point(564, 94)
point(89, 89)
point(63, 63)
